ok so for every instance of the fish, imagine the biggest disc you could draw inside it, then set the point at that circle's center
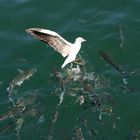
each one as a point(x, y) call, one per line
point(58, 77)
point(109, 60)
point(4, 129)
point(54, 120)
point(19, 79)
point(121, 36)
point(15, 111)
point(78, 134)
point(19, 123)
point(61, 83)
point(94, 132)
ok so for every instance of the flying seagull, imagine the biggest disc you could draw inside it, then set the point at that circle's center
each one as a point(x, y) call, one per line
point(57, 42)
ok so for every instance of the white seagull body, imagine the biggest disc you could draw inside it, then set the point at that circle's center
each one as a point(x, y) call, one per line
point(57, 42)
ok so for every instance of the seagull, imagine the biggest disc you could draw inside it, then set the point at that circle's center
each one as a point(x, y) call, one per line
point(58, 43)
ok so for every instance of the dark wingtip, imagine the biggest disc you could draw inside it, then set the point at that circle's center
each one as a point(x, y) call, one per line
point(28, 30)
point(32, 30)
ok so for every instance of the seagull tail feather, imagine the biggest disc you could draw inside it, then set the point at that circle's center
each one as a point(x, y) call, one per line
point(63, 65)
point(67, 61)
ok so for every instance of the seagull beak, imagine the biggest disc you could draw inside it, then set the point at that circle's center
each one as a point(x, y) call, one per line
point(84, 40)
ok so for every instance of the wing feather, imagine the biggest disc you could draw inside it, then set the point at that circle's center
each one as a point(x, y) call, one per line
point(52, 39)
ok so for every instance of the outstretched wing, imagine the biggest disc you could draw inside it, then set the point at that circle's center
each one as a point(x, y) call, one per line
point(53, 39)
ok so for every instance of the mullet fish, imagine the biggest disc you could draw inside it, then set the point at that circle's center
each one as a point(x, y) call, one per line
point(19, 79)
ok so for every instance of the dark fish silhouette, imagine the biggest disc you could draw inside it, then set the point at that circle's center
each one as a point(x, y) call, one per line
point(109, 60)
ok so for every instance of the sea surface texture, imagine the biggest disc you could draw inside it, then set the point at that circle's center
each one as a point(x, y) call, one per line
point(95, 98)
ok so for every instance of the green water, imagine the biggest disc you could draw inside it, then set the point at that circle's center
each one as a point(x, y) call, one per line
point(97, 22)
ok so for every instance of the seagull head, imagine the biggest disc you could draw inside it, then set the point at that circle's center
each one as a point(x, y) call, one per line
point(80, 39)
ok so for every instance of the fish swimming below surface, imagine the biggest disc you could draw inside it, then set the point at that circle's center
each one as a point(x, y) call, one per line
point(121, 36)
point(19, 79)
point(109, 60)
